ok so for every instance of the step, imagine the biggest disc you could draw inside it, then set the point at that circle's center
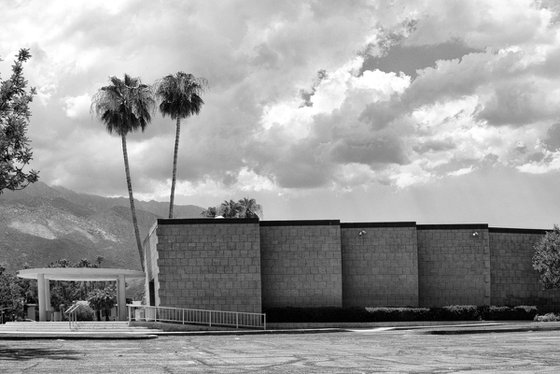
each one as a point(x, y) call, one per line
point(81, 326)
point(78, 328)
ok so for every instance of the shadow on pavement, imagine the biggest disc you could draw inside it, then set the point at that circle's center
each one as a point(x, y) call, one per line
point(10, 354)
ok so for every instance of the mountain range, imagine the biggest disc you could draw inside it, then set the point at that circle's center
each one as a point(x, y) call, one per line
point(41, 224)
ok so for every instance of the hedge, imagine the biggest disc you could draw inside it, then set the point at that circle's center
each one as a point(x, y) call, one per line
point(446, 313)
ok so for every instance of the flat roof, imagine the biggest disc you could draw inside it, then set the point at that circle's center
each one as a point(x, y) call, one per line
point(80, 274)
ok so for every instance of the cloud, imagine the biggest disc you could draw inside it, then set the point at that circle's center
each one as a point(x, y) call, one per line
point(479, 23)
point(552, 140)
point(408, 93)
point(519, 103)
point(409, 59)
point(77, 106)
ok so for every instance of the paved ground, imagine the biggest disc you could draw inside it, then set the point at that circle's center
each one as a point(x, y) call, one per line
point(365, 351)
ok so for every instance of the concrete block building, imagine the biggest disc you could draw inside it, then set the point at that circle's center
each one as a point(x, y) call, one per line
point(251, 266)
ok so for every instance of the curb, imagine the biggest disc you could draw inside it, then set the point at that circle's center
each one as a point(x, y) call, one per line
point(251, 332)
point(492, 330)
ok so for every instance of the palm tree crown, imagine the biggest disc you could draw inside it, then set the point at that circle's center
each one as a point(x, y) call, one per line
point(250, 209)
point(125, 105)
point(230, 209)
point(180, 95)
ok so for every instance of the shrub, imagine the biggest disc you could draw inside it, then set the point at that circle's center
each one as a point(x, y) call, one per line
point(548, 317)
point(498, 313)
point(397, 314)
point(521, 312)
point(387, 314)
point(524, 312)
point(456, 313)
point(325, 314)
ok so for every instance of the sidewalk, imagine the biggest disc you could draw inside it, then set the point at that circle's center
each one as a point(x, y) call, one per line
point(441, 328)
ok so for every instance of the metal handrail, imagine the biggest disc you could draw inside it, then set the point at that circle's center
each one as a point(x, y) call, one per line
point(72, 316)
point(196, 316)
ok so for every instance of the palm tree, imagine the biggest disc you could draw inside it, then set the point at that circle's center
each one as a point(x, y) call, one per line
point(249, 208)
point(125, 106)
point(180, 96)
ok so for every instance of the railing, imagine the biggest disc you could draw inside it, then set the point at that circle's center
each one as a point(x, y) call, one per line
point(196, 316)
point(71, 316)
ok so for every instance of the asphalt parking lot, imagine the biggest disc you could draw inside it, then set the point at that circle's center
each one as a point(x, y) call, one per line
point(365, 351)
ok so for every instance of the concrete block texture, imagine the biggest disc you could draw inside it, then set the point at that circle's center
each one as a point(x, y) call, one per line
point(379, 265)
point(301, 265)
point(514, 281)
point(210, 265)
point(453, 265)
point(249, 266)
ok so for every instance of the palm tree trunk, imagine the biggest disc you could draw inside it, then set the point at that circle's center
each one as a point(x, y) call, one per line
point(174, 173)
point(131, 198)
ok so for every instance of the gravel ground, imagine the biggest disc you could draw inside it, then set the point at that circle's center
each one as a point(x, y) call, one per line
point(363, 351)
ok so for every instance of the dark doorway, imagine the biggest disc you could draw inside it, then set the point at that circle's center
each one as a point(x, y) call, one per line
point(152, 291)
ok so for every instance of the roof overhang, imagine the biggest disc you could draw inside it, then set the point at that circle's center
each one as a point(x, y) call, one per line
point(80, 274)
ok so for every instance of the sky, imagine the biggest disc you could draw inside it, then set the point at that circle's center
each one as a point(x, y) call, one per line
point(434, 111)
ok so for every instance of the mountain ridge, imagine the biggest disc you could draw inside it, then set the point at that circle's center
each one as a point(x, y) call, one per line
point(41, 224)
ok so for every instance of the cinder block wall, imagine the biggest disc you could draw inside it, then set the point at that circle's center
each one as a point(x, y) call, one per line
point(247, 266)
point(379, 264)
point(453, 265)
point(301, 263)
point(514, 281)
point(210, 264)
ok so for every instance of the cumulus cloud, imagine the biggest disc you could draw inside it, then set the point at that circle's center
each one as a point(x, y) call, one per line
point(302, 95)
point(77, 106)
point(552, 139)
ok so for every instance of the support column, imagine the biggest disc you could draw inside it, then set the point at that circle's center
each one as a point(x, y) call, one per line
point(121, 298)
point(48, 307)
point(41, 296)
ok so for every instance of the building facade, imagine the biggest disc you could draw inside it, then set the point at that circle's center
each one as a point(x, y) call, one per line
point(251, 265)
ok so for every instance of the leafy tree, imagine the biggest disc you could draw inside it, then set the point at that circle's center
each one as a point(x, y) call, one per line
point(66, 292)
point(102, 300)
point(98, 261)
point(15, 152)
point(244, 208)
point(210, 212)
point(125, 106)
point(12, 295)
point(180, 96)
point(546, 260)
